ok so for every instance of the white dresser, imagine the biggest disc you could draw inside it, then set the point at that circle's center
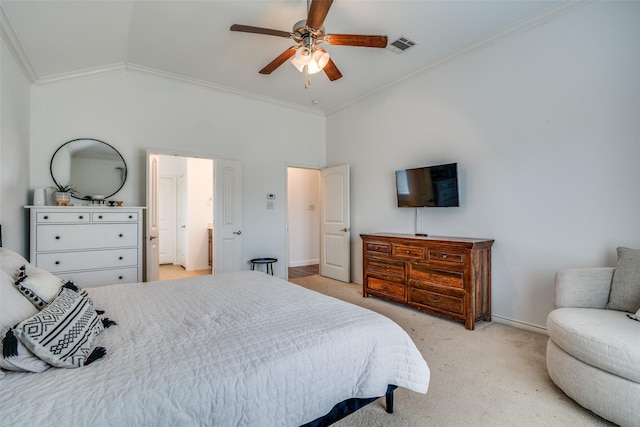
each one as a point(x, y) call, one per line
point(91, 246)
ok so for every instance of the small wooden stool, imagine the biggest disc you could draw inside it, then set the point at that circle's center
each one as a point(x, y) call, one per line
point(268, 261)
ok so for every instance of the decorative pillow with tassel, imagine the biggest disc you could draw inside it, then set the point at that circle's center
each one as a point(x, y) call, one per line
point(38, 285)
point(62, 333)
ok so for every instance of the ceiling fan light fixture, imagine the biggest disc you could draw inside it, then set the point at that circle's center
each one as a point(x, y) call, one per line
point(313, 68)
point(303, 55)
point(296, 62)
point(321, 57)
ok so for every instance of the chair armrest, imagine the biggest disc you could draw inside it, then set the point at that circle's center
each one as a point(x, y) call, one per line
point(583, 287)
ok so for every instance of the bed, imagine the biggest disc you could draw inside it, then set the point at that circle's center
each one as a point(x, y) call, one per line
point(229, 349)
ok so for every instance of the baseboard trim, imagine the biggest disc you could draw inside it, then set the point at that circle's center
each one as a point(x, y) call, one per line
point(519, 324)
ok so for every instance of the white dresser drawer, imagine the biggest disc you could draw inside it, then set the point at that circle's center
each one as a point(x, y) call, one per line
point(44, 217)
point(85, 236)
point(90, 279)
point(122, 216)
point(87, 260)
point(91, 245)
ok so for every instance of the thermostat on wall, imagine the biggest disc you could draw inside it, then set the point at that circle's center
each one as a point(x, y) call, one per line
point(271, 196)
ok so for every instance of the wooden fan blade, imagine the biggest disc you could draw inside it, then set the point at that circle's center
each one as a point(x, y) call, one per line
point(317, 13)
point(259, 30)
point(281, 59)
point(355, 40)
point(332, 71)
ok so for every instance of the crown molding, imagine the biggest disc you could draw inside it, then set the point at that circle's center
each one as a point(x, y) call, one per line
point(84, 73)
point(15, 47)
point(221, 88)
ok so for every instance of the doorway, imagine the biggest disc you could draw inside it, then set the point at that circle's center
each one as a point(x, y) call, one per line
point(185, 216)
point(318, 220)
point(303, 216)
point(216, 232)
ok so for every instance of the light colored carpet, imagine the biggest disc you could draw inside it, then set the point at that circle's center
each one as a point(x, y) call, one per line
point(493, 376)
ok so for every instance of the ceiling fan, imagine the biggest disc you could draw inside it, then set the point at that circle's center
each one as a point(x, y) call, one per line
point(308, 54)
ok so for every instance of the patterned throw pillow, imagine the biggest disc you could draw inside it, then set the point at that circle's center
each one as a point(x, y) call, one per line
point(62, 333)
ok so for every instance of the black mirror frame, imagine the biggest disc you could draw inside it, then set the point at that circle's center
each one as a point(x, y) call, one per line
point(88, 197)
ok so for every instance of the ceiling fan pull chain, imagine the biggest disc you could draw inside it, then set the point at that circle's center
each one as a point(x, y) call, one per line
point(308, 82)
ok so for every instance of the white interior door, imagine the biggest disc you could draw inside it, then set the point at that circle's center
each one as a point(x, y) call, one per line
point(152, 249)
point(227, 225)
point(167, 219)
point(335, 234)
point(181, 221)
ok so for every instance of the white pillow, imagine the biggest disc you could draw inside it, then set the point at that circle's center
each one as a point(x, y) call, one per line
point(14, 308)
point(38, 285)
point(11, 261)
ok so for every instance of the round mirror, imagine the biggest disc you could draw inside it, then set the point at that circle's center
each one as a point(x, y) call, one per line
point(90, 167)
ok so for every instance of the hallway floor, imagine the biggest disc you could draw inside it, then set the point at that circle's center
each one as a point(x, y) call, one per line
point(171, 271)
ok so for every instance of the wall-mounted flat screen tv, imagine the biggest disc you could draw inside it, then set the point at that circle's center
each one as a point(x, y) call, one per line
point(429, 186)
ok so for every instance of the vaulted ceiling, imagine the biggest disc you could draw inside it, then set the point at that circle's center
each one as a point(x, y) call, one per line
point(191, 40)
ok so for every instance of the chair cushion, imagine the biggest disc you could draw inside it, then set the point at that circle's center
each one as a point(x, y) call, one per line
point(625, 285)
point(605, 339)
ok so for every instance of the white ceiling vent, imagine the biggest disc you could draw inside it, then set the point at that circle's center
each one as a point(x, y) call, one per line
point(401, 44)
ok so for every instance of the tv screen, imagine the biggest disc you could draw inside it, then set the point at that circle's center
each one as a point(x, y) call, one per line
point(430, 186)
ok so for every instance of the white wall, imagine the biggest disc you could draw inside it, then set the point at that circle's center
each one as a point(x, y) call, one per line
point(304, 216)
point(544, 126)
point(14, 152)
point(133, 111)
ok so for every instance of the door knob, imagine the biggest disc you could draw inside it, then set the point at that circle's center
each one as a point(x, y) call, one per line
point(237, 232)
point(345, 229)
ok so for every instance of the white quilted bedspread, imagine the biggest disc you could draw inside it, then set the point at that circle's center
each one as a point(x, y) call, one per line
point(238, 349)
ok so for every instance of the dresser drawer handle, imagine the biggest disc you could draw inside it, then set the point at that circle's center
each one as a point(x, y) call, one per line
point(120, 258)
point(57, 263)
point(408, 252)
point(46, 217)
point(130, 216)
point(120, 277)
point(81, 217)
point(433, 299)
point(57, 237)
point(444, 255)
point(99, 216)
point(120, 235)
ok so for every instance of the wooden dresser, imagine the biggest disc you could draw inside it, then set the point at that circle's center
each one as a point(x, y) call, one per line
point(92, 246)
point(446, 276)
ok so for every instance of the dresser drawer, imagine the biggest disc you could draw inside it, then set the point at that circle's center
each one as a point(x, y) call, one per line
point(381, 266)
point(85, 236)
point(395, 290)
point(89, 279)
point(378, 247)
point(436, 300)
point(446, 255)
point(58, 217)
point(439, 277)
point(408, 252)
point(87, 260)
point(121, 216)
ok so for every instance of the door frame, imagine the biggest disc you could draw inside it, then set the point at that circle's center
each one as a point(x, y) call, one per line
point(286, 211)
point(320, 206)
point(153, 151)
